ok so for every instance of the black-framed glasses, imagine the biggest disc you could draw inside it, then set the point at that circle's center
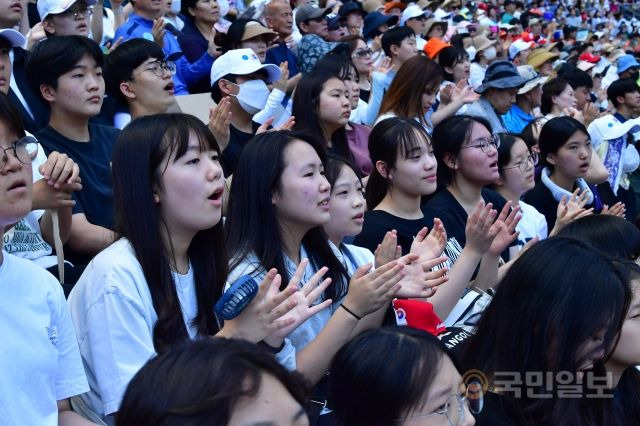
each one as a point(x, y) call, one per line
point(485, 143)
point(454, 408)
point(158, 68)
point(363, 53)
point(524, 164)
point(85, 12)
point(24, 149)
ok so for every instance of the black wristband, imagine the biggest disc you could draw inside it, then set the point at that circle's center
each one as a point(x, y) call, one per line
point(270, 348)
point(351, 312)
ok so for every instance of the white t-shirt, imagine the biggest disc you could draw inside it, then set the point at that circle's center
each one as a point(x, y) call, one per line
point(25, 238)
point(39, 353)
point(113, 315)
point(308, 330)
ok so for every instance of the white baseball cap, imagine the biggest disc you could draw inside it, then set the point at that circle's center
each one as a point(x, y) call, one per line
point(241, 62)
point(14, 37)
point(609, 128)
point(52, 7)
point(413, 11)
point(519, 46)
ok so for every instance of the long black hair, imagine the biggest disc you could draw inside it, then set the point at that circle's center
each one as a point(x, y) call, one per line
point(389, 138)
point(449, 136)
point(252, 225)
point(140, 151)
point(306, 107)
point(202, 382)
point(382, 374)
point(558, 295)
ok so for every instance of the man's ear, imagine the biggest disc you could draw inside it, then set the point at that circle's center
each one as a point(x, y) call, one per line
point(450, 160)
point(620, 100)
point(226, 87)
point(48, 93)
point(303, 27)
point(394, 49)
point(48, 26)
point(125, 89)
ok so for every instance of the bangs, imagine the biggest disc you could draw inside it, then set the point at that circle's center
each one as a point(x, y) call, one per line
point(178, 134)
point(413, 139)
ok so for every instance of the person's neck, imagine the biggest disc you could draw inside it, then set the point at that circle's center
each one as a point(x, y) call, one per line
point(556, 111)
point(292, 236)
point(138, 110)
point(624, 111)
point(205, 28)
point(524, 105)
point(8, 24)
point(563, 182)
point(328, 131)
point(240, 119)
point(74, 128)
point(281, 36)
point(466, 193)
point(616, 371)
point(177, 247)
point(335, 239)
point(401, 204)
point(150, 15)
point(395, 64)
point(364, 81)
point(509, 195)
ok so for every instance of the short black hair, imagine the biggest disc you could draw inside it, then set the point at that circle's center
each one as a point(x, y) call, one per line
point(577, 78)
point(394, 37)
point(620, 88)
point(56, 56)
point(120, 63)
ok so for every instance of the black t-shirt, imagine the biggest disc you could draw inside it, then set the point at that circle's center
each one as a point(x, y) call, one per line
point(542, 199)
point(365, 95)
point(378, 222)
point(237, 140)
point(444, 206)
point(95, 199)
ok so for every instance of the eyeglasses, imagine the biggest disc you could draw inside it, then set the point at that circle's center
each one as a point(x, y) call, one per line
point(25, 150)
point(454, 410)
point(485, 143)
point(364, 53)
point(84, 12)
point(158, 68)
point(524, 165)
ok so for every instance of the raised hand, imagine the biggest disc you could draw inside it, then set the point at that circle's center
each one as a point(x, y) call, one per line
point(419, 280)
point(570, 209)
point(304, 300)
point(370, 291)
point(281, 83)
point(219, 121)
point(158, 32)
point(506, 225)
point(618, 209)
point(479, 230)
point(59, 169)
point(428, 246)
point(388, 249)
point(464, 93)
point(112, 46)
point(262, 317)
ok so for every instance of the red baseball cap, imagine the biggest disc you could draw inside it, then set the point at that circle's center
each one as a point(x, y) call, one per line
point(588, 57)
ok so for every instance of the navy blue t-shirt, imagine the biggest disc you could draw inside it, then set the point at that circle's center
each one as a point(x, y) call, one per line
point(281, 53)
point(95, 199)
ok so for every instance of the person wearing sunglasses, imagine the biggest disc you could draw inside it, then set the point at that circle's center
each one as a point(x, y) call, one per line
point(137, 74)
point(400, 376)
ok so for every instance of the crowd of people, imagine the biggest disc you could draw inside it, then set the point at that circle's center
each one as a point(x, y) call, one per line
point(415, 213)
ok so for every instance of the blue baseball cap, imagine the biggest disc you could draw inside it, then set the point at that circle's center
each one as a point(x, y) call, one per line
point(625, 62)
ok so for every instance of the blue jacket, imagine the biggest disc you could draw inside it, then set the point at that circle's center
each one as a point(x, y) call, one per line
point(186, 73)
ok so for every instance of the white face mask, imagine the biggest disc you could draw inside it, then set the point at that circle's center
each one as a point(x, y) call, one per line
point(252, 96)
point(471, 51)
point(175, 6)
point(490, 53)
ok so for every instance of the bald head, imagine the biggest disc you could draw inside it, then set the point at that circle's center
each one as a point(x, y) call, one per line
point(279, 17)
